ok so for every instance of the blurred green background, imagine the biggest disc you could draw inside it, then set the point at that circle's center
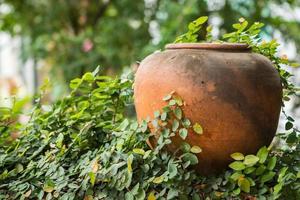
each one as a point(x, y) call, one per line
point(65, 38)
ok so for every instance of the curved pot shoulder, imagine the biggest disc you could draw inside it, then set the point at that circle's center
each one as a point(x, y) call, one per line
point(233, 93)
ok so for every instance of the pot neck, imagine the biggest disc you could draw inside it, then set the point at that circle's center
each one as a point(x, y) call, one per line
point(210, 46)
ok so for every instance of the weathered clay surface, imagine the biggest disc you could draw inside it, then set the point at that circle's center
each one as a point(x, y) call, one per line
point(234, 94)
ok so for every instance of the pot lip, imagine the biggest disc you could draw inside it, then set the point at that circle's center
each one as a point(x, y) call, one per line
point(209, 46)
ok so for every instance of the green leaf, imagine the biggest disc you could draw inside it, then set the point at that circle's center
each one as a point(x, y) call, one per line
point(178, 113)
point(244, 184)
point(290, 119)
point(135, 189)
point(147, 154)
point(139, 151)
point(236, 26)
point(252, 182)
point(292, 138)
point(144, 126)
point(244, 24)
point(190, 157)
point(196, 149)
point(165, 133)
point(236, 175)
point(267, 177)
point(175, 125)
point(191, 26)
point(237, 156)
point(151, 196)
point(282, 173)
point(236, 192)
point(294, 64)
point(59, 140)
point(178, 100)
point(186, 123)
point(288, 125)
point(256, 25)
point(163, 116)
point(198, 128)
point(251, 160)
point(272, 163)
point(183, 132)
point(73, 186)
point(228, 35)
point(134, 126)
point(172, 169)
point(141, 194)
point(172, 102)
point(237, 165)
point(262, 154)
point(156, 114)
point(4, 174)
point(168, 97)
point(249, 170)
point(172, 193)
point(166, 109)
point(158, 180)
point(49, 186)
point(92, 176)
point(185, 147)
point(19, 168)
point(155, 123)
point(129, 196)
point(129, 163)
point(260, 170)
point(201, 20)
point(123, 125)
point(88, 77)
point(278, 188)
point(75, 83)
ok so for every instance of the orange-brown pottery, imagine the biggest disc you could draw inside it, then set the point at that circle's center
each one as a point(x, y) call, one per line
point(233, 93)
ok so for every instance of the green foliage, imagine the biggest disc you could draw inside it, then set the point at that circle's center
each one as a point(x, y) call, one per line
point(86, 32)
point(193, 31)
point(250, 35)
point(85, 147)
point(253, 173)
point(117, 33)
point(9, 124)
point(198, 128)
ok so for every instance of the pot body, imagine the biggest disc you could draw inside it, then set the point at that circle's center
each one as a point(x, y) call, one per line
point(233, 93)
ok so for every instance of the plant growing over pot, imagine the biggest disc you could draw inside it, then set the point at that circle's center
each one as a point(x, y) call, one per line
point(233, 90)
point(85, 147)
point(234, 87)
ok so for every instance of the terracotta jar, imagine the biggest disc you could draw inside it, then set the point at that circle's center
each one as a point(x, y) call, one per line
point(233, 93)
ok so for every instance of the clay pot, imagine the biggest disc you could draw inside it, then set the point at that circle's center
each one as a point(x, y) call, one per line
point(233, 93)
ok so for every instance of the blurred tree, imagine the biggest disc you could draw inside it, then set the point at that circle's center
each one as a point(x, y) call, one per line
point(172, 16)
point(73, 36)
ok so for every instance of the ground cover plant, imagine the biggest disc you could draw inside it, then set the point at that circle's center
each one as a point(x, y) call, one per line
point(85, 146)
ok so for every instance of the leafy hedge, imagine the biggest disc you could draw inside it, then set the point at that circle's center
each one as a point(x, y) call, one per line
point(86, 147)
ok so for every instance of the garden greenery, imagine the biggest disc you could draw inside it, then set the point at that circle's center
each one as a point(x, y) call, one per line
point(86, 147)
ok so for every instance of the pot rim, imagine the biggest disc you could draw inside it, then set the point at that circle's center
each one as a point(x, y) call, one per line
point(209, 46)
